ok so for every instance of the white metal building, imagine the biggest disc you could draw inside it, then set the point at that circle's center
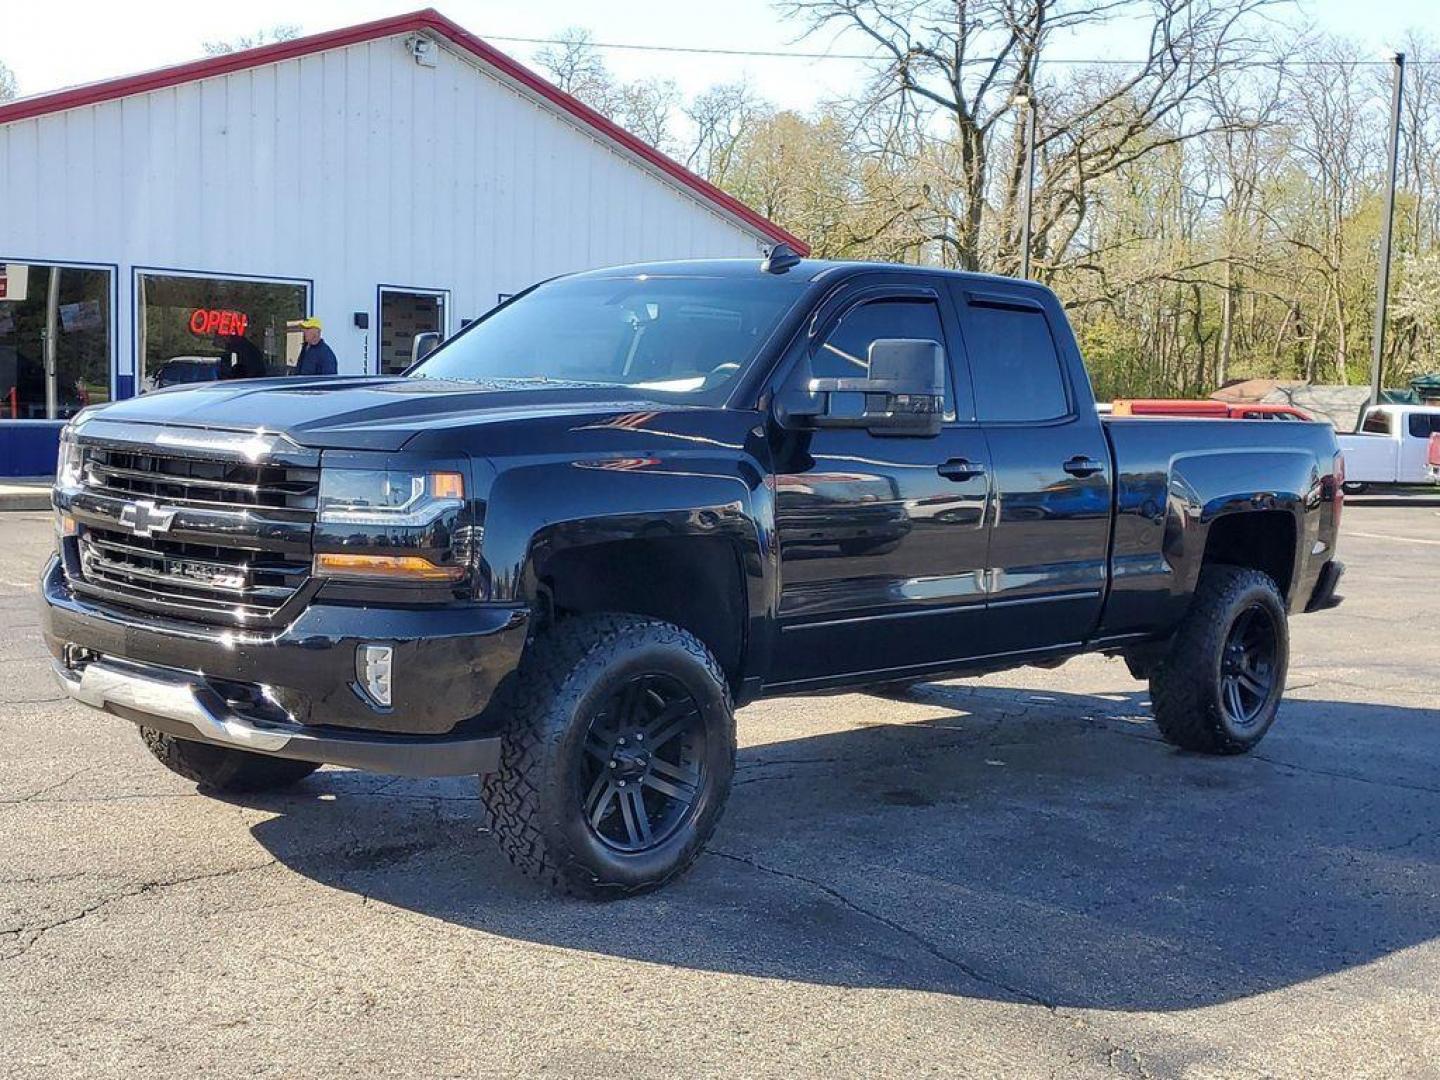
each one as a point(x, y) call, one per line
point(389, 178)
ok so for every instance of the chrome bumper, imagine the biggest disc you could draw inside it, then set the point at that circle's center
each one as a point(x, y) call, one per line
point(103, 685)
point(188, 708)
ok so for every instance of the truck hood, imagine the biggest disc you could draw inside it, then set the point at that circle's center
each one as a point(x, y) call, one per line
point(369, 413)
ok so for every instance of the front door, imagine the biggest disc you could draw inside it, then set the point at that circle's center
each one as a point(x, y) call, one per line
point(403, 314)
point(1049, 545)
point(882, 538)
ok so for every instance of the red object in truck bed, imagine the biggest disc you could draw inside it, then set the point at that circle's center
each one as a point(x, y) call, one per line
point(1207, 408)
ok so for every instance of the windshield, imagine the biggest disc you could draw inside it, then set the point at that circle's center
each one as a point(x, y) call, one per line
point(670, 335)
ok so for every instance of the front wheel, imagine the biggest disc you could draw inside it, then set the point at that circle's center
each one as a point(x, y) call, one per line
point(1354, 487)
point(1219, 686)
point(616, 758)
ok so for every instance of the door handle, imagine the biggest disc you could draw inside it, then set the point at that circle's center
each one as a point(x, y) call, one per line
point(959, 469)
point(1082, 466)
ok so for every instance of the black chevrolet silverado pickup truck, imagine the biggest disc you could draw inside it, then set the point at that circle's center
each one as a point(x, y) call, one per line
point(561, 549)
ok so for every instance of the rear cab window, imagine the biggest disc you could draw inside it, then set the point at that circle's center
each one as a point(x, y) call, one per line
point(1015, 366)
point(1377, 423)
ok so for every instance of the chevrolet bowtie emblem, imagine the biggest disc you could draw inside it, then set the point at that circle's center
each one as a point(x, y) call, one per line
point(144, 518)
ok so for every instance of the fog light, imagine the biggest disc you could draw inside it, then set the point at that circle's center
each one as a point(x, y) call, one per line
point(373, 665)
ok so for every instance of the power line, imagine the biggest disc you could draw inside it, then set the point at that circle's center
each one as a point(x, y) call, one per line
point(780, 54)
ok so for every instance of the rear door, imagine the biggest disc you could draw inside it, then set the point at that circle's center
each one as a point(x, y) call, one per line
point(1049, 543)
point(882, 538)
point(1415, 445)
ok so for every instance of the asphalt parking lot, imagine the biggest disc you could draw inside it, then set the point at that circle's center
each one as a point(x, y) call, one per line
point(1004, 876)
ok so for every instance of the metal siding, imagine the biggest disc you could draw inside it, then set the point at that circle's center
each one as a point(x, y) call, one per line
point(352, 167)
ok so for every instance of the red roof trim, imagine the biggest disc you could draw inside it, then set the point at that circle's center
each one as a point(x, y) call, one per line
point(428, 19)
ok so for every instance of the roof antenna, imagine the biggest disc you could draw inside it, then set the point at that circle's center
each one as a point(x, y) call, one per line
point(779, 258)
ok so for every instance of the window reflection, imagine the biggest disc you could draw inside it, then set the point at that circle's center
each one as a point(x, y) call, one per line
point(55, 346)
point(200, 329)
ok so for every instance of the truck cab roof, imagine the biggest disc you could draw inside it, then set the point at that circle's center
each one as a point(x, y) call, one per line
point(810, 270)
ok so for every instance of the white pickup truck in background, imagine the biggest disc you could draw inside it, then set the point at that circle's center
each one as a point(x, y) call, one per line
point(1390, 447)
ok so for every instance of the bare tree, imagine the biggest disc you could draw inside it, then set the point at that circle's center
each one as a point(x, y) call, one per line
point(576, 66)
point(1246, 165)
point(1334, 141)
point(8, 88)
point(719, 118)
point(948, 74)
point(647, 108)
point(278, 32)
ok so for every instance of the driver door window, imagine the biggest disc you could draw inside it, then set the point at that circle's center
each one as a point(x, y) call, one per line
point(845, 351)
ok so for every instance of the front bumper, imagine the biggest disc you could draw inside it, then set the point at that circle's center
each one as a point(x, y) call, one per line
point(178, 703)
point(447, 664)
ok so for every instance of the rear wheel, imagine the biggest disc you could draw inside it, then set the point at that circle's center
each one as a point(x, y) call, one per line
point(1219, 686)
point(1354, 487)
point(617, 756)
point(220, 768)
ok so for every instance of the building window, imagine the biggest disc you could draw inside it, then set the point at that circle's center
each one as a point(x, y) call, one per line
point(197, 329)
point(55, 345)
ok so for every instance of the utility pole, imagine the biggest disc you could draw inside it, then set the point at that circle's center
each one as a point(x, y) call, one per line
point(1027, 102)
point(1387, 230)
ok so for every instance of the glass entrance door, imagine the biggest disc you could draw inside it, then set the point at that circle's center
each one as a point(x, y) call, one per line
point(403, 314)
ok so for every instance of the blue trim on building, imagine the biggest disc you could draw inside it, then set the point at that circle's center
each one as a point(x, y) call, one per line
point(29, 447)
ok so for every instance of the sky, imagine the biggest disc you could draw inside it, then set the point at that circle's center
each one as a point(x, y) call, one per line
point(61, 43)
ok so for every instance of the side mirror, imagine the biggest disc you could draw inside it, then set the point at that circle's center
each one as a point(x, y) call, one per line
point(903, 393)
point(423, 344)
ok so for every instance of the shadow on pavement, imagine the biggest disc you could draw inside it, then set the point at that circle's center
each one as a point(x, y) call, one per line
point(1017, 845)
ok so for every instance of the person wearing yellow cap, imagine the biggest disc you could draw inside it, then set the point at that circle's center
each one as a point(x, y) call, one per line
point(316, 358)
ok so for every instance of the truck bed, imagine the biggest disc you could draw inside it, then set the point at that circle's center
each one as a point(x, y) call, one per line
point(1166, 468)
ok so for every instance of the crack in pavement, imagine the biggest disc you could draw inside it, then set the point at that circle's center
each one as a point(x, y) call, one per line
point(917, 938)
point(38, 932)
point(34, 796)
point(1359, 779)
point(128, 796)
point(1114, 1052)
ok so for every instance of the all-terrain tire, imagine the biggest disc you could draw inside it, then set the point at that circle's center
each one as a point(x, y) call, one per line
point(534, 801)
point(219, 768)
point(1187, 695)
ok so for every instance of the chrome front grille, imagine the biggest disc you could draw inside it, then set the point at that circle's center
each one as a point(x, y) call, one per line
point(142, 474)
point(193, 534)
point(203, 581)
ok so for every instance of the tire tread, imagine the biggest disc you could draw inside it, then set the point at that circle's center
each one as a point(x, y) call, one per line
point(1185, 710)
point(534, 705)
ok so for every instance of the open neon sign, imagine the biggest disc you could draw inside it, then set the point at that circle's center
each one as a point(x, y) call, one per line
point(209, 322)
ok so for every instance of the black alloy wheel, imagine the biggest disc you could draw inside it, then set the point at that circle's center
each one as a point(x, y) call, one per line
point(1218, 687)
point(616, 755)
point(644, 763)
point(1248, 666)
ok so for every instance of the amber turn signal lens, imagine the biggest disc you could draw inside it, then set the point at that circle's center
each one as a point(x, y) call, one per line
point(390, 567)
point(447, 485)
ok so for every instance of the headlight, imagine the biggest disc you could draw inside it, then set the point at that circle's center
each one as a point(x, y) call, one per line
point(386, 497)
point(69, 469)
